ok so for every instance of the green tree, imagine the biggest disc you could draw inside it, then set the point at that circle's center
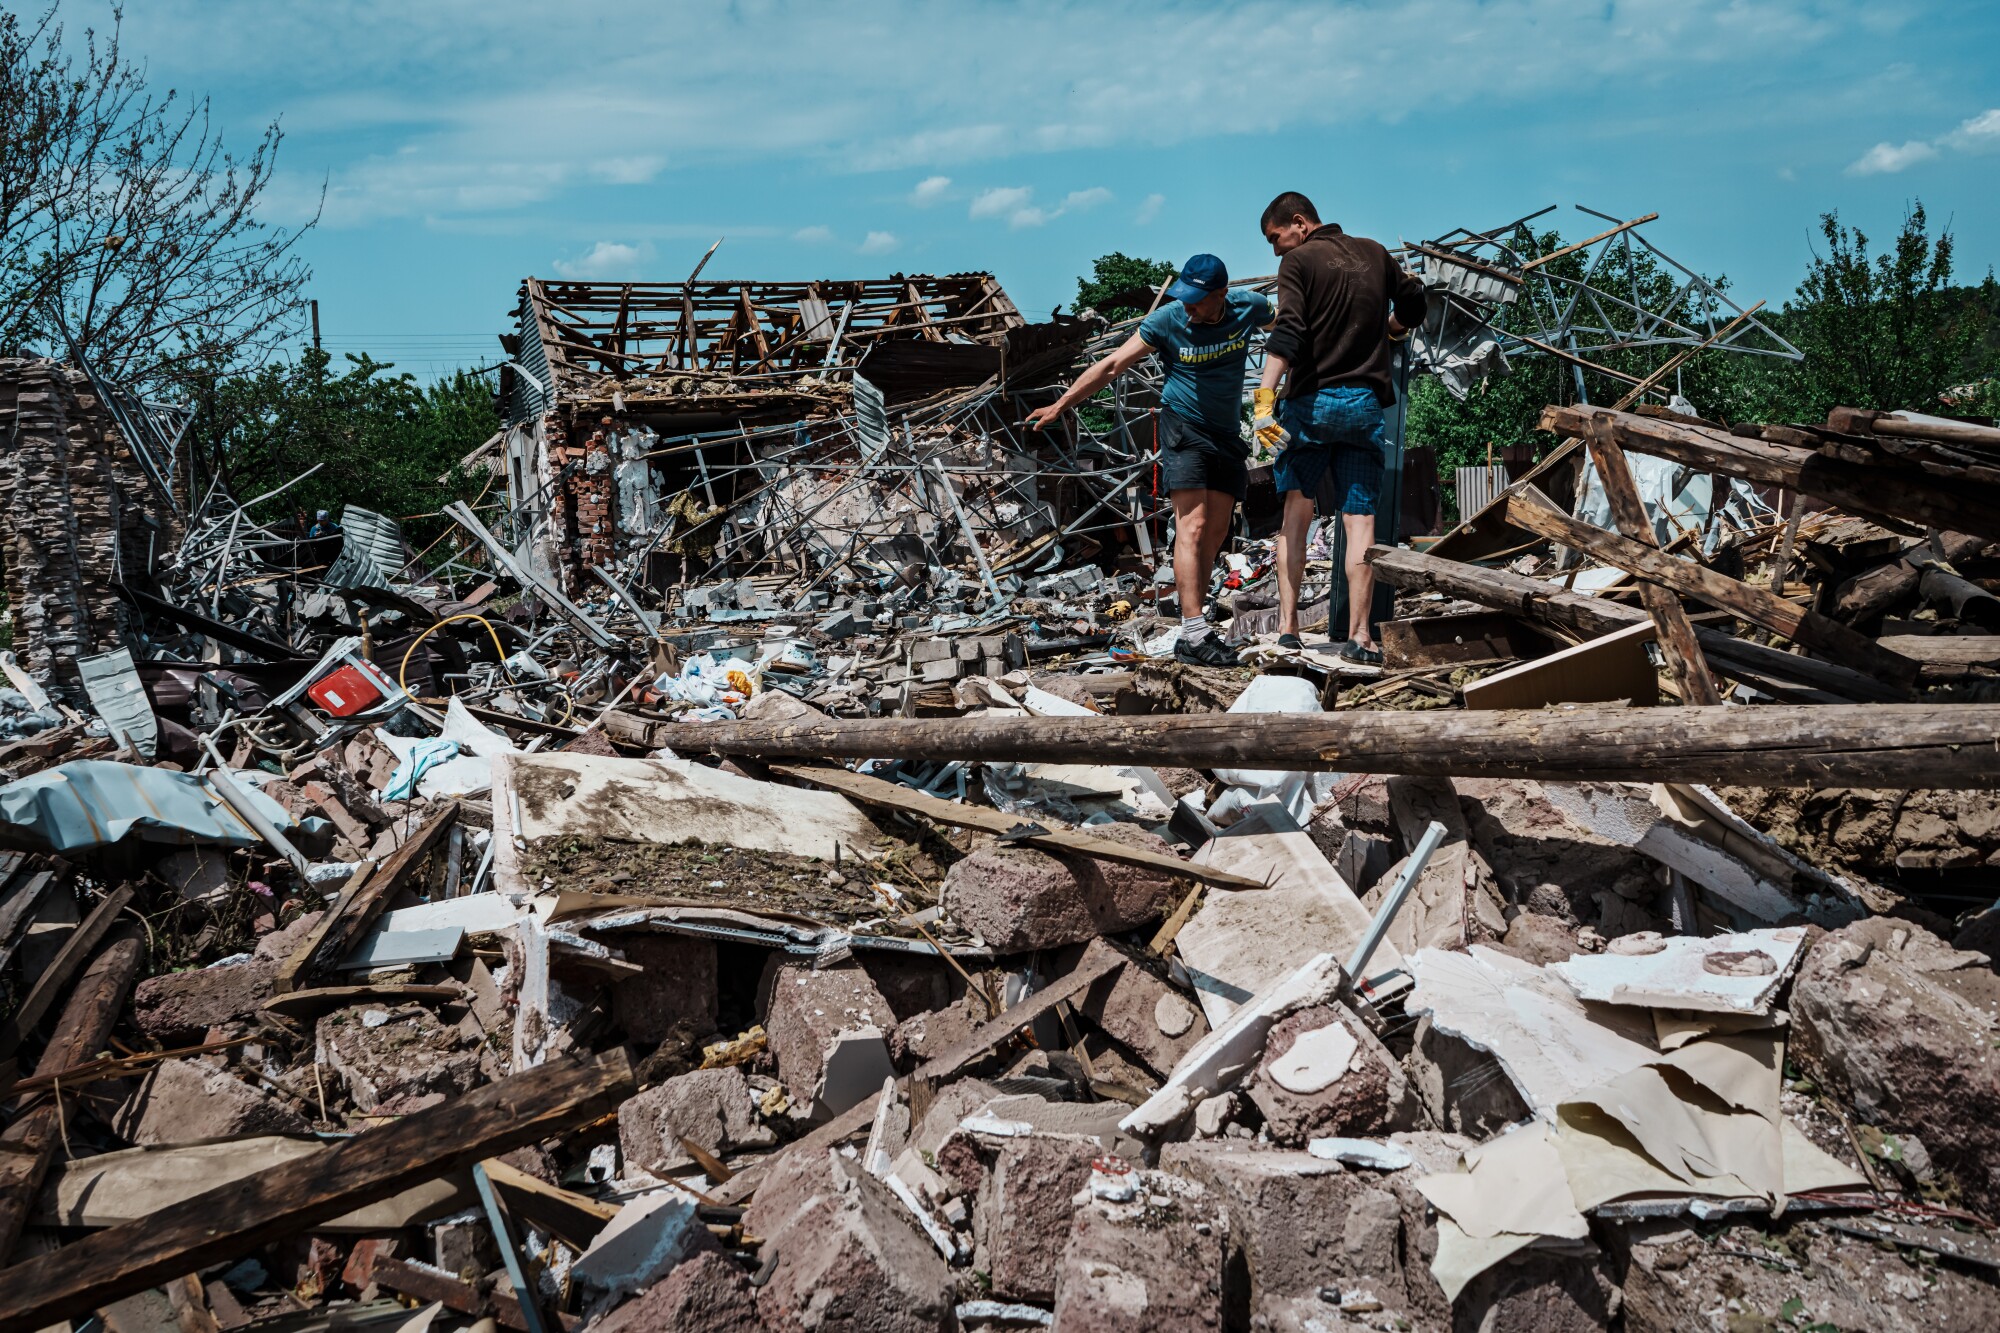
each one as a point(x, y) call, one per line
point(1120, 287)
point(1887, 333)
point(385, 440)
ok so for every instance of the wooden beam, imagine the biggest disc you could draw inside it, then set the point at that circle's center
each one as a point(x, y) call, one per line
point(1759, 606)
point(52, 982)
point(1676, 631)
point(27, 1145)
point(233, 1219)
point(361, 902)
point(1849, 745)
point(1061, 841)
point(976, 1046)
point(1586, 244)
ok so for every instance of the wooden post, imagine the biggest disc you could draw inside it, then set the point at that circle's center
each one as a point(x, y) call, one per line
point(1833, 745)
point(27, 1145)
point(1676, 631)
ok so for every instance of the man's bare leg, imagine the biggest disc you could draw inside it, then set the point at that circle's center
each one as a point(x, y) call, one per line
point(1359, 530)
point(1292, 558)
point(1201, 526)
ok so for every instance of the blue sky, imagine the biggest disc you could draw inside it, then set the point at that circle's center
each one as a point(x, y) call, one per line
point(462, 146)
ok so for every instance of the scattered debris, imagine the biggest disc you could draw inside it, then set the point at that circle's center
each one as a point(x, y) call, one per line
point(762, 867)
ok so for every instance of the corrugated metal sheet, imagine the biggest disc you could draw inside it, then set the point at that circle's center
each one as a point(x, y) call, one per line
point(371, 549)
point(1477, 486)
point(871, 417)
point(530, 399)
point(95, 802)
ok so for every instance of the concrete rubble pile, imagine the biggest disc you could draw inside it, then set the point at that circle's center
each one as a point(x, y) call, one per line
point(536, 934)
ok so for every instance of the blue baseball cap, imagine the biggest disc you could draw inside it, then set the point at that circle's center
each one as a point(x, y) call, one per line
point(1202, 278)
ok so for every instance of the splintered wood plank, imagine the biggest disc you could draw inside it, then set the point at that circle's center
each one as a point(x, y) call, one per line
point(364, 899)
point(233, 1219)
point(895, 796)
point(27, 1145)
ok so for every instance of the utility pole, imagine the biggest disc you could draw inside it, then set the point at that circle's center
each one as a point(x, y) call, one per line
point(315, 310)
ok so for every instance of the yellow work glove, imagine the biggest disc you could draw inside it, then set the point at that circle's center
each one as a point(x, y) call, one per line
point(1264, 420)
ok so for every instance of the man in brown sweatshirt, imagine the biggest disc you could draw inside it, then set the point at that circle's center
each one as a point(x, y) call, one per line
point(1342, 300)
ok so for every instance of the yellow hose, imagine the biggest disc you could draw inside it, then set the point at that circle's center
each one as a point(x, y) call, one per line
point(403, 671)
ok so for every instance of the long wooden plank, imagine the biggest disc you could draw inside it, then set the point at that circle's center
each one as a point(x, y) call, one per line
point(1844, 745)
point(351, 917)
point(1591, 616)
point(27, 1145)
point(235, 1218)
point(894, 796)
point(1675, 630)
point(76, 949)
point(982, 1040)
point(1759, 606)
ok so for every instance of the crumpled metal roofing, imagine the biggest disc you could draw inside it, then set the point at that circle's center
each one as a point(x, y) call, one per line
point(96, 802)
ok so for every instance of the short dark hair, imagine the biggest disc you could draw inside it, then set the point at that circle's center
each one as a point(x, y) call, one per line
point(1285, 207)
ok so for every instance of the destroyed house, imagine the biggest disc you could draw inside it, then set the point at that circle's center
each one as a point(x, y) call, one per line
point(620, 394)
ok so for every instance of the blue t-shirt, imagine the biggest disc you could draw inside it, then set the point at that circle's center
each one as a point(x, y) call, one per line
point(1205, 361)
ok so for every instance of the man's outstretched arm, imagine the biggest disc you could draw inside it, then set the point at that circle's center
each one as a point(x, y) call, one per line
point(1093, 379)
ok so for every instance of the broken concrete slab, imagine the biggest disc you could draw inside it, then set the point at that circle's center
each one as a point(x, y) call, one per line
point(844, 1253)
point(1146, 1256)
point(178, 1008)
point(649, 1237)
point(1240, 943)
point(1904, 1028)
point(665, 801)
point(1687, 828)
point(1142, 1013)
point(1017, 899)
point(713, 1108)
point(1025, 1208)
point(1323, 1073)
point(180, 1101)
point(826, 1029)
point(709, 1293)
point(395, 1059)
point(1456, 893)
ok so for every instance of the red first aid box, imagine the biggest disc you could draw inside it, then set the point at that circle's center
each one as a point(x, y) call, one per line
point(345, 692)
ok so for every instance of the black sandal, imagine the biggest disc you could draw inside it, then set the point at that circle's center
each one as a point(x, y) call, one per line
point(1290, 643)
point(1354, 652)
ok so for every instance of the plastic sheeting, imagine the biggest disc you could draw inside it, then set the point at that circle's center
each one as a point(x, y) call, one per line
point(1678, 499)
point(96, 802)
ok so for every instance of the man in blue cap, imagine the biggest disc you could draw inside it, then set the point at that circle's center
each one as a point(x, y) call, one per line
point(1202, 336)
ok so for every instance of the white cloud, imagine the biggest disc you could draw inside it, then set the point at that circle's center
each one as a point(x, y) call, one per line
point(813, 235)
point(1090, 198)
point(606, 259)
point(930, 190)
point(1031, 217)
point(1885, 158)
point(1978, 134)
point(421, 111)
point(879, 243)
point(1000, 201)
point(1149, 209)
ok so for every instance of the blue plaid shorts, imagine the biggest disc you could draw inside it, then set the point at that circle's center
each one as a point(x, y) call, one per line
point(1338, 428)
